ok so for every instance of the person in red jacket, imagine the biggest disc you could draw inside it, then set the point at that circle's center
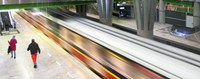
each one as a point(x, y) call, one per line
point(34, 49)
point(12, 44)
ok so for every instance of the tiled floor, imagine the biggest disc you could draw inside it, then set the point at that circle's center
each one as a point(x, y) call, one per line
point(53, 62)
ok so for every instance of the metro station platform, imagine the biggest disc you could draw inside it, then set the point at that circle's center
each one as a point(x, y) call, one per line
point(53, 62)
point(160, 30)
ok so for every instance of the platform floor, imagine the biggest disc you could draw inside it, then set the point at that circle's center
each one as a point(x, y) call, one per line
point(53, 62)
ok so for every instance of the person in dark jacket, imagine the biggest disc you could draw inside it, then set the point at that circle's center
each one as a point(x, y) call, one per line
point(34, 49)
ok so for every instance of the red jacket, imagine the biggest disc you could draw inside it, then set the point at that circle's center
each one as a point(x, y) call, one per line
point(13, 43)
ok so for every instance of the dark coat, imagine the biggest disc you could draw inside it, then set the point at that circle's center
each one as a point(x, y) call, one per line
point(33, 47)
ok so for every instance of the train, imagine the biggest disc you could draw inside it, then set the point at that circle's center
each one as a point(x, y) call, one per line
point(104, 58)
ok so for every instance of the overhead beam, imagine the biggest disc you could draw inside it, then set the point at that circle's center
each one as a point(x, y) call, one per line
point(43, 5)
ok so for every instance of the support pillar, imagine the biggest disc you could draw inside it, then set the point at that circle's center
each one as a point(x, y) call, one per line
point(81, 10)
point(105, 8)
point(145, 14)
point(196, 14)
point(161, 12)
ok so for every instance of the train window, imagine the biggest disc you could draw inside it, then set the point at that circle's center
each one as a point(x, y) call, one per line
point(85, 44)
point(101, 51)
point(93, 47)
point(63, 32)
point(54, 25)
point(78, 40)
point(67, 33)
point(98, 52)
point(71, 36)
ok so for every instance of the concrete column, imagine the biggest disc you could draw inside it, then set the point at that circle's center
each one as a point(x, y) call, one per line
point(161, 12)
point(105, 8)
point(196, 14)
point(145, 14)
point(81, 10)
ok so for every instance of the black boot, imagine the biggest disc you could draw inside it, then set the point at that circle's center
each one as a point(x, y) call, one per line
point(35, 66)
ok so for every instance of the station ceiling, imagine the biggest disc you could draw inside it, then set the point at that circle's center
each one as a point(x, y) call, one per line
point(24, 4)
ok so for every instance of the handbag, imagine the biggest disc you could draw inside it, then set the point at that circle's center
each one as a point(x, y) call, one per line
point(9, 49)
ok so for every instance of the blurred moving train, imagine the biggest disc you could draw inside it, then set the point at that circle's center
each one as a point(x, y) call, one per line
point(114, 54)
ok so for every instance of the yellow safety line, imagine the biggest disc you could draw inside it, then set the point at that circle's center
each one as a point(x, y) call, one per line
point(111, 53)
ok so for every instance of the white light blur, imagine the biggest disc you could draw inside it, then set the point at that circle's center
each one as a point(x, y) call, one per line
point(9, 10)
point(3, 1)
point(37, 13)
